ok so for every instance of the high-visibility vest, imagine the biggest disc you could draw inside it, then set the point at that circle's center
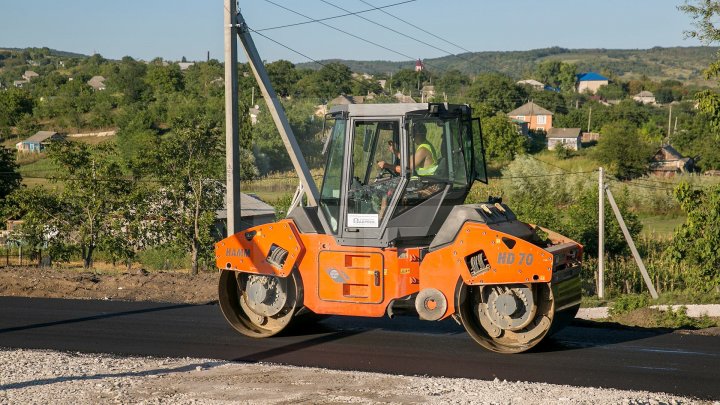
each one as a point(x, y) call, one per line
point(427, 171)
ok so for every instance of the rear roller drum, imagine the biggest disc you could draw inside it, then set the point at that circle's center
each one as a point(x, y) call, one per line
point(258, 305)
point(506, 318)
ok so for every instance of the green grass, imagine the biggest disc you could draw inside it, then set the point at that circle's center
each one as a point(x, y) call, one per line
point(661, 226)
point(37, 172)
point(578, 162)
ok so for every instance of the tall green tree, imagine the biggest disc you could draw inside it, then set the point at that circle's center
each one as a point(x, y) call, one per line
point(164, 79)
point(705, 15)
point(94, 185)
point(622, 151)
point(497, 92)
point(283, 77)
point(128, 78)
point(502, 139)
point(14, 103)
point(697, 242)
point(187, 163)
point(46, 221)
point(10, 178)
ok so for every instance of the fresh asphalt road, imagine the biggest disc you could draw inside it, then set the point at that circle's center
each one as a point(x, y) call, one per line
point(579, 355)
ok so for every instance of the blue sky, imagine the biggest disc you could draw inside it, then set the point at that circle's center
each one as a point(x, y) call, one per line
point(174, 28)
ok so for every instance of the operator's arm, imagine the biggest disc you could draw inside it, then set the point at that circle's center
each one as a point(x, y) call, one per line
point(418, 158)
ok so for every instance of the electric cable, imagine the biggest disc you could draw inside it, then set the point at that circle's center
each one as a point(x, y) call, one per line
point(348, 33)
point(397, 32)
point(418, 28)
point(337, 16)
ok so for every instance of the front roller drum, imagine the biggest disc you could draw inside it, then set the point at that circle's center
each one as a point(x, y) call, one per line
point(506, 318)
point(258, 305)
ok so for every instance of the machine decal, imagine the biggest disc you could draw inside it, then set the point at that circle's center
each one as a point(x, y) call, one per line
point(363, 220)
point(337, 276)
point(237, 252)
point(526, 259)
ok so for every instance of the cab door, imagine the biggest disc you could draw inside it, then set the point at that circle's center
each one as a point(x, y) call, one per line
point(370, 190)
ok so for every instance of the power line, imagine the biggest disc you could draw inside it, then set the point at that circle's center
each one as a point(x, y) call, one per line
point(397, 32)
point(346, 32)
point(337, 16)
point(365, 85)
point(417, 27)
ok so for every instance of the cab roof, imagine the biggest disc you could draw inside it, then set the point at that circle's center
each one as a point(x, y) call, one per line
point(389, 110)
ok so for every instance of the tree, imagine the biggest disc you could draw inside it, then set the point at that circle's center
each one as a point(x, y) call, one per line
point(283, 77)
point(452, 83)
point(622, 151)
point(10, 179)
point(558, 74)
point(14, 103)
point(330, 81)
point(187, 163)
point(498, 92)
point(501, 138)
point(45, 221)
point(164, 79)
point(612, 91)
point(697, 242)
point(128, 78)
point(94, 186)
point(705, 14)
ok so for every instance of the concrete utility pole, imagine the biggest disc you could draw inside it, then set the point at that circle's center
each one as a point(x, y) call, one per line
point(669, 123)
point(232, 160)
point(590, 121)
point(601, 235)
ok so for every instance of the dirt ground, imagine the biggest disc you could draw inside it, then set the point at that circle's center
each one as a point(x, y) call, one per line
point(138, 285)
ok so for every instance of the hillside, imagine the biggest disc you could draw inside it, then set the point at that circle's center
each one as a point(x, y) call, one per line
point(680, 63)
point(49, 51)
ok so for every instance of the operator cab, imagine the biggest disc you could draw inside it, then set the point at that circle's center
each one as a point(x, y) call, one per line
point(394, 171)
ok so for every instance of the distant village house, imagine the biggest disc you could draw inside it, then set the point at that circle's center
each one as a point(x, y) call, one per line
point(532, 83)
point(537, 117)
point(29, 75)
point(667, 162)
point(590, 82)
point(427, 93)
point(97, 83)
point(645, 97)
point(37, 142)
point(569, 138)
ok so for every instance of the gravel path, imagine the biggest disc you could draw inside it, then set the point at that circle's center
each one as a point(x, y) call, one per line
point(43, 377)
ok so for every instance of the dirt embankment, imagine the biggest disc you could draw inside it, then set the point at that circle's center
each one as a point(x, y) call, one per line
point(138, 285)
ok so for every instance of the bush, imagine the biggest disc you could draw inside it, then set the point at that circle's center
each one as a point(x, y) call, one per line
point(164, 258)
point(627, 303)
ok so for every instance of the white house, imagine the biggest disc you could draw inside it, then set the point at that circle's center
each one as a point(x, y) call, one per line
point(569, 138)
point(645, 97)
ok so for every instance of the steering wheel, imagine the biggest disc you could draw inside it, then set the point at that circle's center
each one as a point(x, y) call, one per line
point(385, 173)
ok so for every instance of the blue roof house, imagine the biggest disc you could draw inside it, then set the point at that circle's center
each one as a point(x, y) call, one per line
point(37, 142)
point(590, 82)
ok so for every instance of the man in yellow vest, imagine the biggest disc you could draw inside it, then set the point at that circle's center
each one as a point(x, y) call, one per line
point(424, 162)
